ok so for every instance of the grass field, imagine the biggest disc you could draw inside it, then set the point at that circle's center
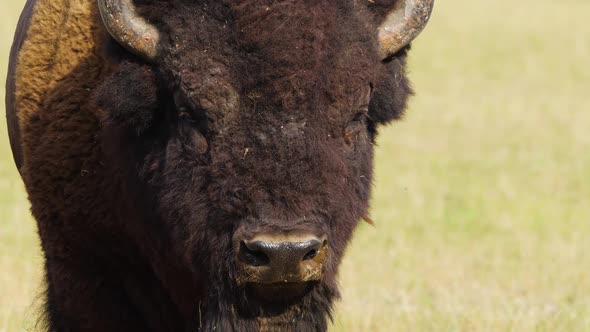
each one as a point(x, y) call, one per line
point(482, 195)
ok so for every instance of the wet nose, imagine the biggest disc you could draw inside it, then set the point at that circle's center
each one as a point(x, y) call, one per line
point(270, 259)
point(280, 255)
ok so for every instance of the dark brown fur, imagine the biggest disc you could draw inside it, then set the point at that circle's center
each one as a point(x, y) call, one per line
point(139, 175)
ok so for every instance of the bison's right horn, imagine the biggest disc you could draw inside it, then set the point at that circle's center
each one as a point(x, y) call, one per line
point(404, 23)
point(128, 28)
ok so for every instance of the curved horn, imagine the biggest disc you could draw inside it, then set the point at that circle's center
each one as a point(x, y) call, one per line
point(128, 28)
point(404, 23)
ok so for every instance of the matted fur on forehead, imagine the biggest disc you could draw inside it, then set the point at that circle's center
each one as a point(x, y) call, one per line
point(307, 47)
point(304, 33)
point(283, 50)
point(302, 47)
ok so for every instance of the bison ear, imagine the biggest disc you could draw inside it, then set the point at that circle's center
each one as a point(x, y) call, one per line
point(391, 93)
point(128, 98)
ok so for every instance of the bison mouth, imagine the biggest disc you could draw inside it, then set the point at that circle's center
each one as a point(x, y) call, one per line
point(291, 306)
point(279, 267)
point(279, 293)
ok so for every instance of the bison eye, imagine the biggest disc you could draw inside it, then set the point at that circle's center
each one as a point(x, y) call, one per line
point(187, 113)
point(356, 126)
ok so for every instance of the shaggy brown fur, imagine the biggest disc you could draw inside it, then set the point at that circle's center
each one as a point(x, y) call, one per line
point(259, 115)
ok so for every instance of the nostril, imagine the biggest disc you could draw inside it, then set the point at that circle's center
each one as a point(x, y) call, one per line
point(310, 255)
point(252, 257)
point(315, 248)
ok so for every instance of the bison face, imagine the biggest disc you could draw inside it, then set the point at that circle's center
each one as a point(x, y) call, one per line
point(247, 139)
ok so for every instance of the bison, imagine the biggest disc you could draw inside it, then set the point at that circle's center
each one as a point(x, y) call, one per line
point(200, 165)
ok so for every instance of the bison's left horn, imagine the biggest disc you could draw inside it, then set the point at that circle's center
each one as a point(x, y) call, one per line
point(404, 23)
point(128, 28)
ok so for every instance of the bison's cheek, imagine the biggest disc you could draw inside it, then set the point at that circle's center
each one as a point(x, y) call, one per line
point(349, 205)
point(173, 184)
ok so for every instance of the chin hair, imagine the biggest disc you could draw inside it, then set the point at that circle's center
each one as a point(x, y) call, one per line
point(245, 312)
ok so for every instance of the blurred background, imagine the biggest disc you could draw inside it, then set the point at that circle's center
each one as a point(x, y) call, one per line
point(482, 193)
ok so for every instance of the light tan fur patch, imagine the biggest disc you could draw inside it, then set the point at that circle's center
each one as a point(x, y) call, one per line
point(61, 38)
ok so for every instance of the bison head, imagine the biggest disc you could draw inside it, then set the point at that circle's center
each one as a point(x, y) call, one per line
point(246, 132)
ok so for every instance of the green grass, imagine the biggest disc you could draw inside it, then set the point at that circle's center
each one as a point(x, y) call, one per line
point(482, 194)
